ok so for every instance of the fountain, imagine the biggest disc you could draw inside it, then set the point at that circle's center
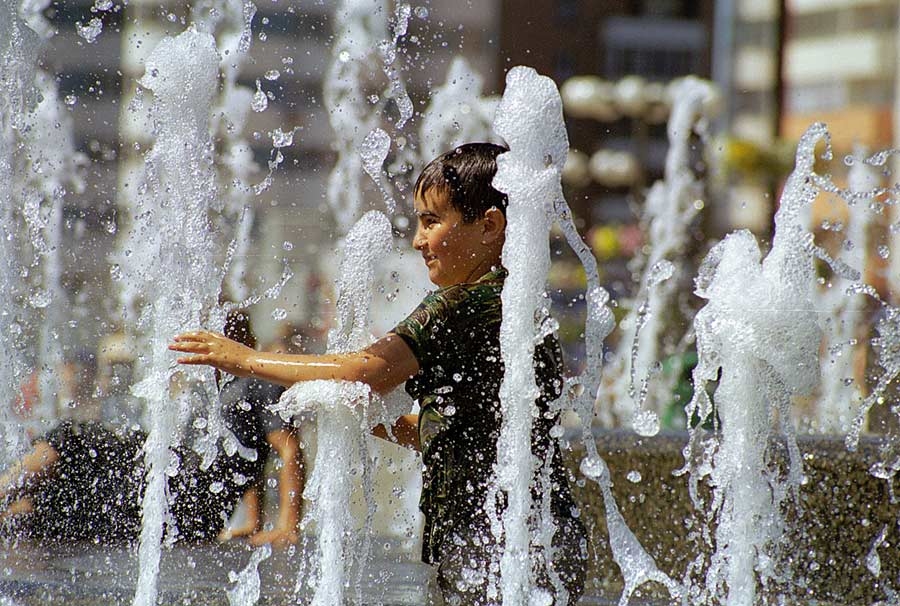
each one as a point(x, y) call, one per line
point(743, 486)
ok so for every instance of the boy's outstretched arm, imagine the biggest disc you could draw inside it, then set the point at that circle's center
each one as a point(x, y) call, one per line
point(383, 365)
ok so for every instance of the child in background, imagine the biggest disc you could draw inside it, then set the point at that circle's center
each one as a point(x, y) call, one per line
point(85, 481)
point(447, 352)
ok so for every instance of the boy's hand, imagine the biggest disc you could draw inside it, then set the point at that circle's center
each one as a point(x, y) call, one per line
point(214, 350)
point(278, 537)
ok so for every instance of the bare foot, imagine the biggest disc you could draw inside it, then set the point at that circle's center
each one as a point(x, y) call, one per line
point(235, 533)
point(277, 537)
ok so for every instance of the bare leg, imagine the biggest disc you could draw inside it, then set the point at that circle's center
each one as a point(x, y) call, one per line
point(250, 501)
point(24, 473)
point(16, 508)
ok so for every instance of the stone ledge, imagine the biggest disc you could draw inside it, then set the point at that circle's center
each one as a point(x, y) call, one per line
point(842, 509)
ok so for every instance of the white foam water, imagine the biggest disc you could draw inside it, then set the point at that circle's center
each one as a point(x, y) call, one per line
point(458, 112)
point(758, 337)
point(529, 119)
point(345, 412)
point(174, 272)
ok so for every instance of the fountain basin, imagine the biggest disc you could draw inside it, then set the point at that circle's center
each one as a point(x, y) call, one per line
point(842, 509)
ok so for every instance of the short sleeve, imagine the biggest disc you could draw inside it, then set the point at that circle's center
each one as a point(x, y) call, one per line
point(421, 327)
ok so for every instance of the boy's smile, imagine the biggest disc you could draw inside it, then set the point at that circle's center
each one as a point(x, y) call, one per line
point(455, 252)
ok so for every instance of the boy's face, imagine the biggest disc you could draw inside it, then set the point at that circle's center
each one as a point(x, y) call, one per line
point(454, 251)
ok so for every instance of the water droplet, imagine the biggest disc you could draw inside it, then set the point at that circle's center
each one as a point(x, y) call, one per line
point(660, 272)
point(634, 476)
point(645, 423)
point(421, 12)
point(260, 100)
point(70, 100)
point(282, 139)
point(450, 410)
point(287, 245)
point(40, 298)
point(344, 56)
point(272, 74)
point(279, 314)
point(457, 377)
point(592, 467)
point(884, 252)
point(557, 432)
point(90, 31)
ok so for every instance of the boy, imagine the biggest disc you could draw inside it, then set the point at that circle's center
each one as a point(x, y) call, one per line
point(448, 354)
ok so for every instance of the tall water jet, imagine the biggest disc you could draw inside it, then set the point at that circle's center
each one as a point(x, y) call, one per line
point(458, 112)
point(345, 413)
point(840, 393)
point(529, 118)
point(54, 171)
point(758, 337)
point(671, 206)
point(230, 22)
point(175, 269)
point(21, 33)
point(349, 112)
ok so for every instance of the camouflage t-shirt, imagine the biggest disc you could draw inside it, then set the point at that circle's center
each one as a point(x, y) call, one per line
point(455, 335)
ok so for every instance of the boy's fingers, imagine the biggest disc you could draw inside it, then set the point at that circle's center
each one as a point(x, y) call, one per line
point(190, 347)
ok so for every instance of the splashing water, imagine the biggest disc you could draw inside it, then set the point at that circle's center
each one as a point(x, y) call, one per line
point(758, 336)
point(840, 393)
point(231, 21)
point(358, 23)
point(457, 113)
point(388, 50)
point(246, 587)
point(55, 169)
point(374, 151)
point(175, 271)
point(529, 118)
point(670, 208)
point(23, 128)
point(344, 411)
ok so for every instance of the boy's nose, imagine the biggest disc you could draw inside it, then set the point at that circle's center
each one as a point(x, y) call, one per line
point(418, 241)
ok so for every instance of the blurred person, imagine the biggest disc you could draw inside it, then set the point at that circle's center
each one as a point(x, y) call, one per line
point(84, 480)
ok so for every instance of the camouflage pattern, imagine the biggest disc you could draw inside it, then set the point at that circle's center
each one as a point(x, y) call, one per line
point(455, 336)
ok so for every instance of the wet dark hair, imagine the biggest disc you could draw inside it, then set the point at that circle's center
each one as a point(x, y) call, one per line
point(237, 328)
point(465, 174)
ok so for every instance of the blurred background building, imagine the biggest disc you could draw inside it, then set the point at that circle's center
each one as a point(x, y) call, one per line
point(780, 65)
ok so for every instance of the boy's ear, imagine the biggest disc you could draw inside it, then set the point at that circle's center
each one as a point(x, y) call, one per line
point(494, 225)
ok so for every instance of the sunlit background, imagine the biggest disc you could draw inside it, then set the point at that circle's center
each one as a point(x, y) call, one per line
point(777, 66)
